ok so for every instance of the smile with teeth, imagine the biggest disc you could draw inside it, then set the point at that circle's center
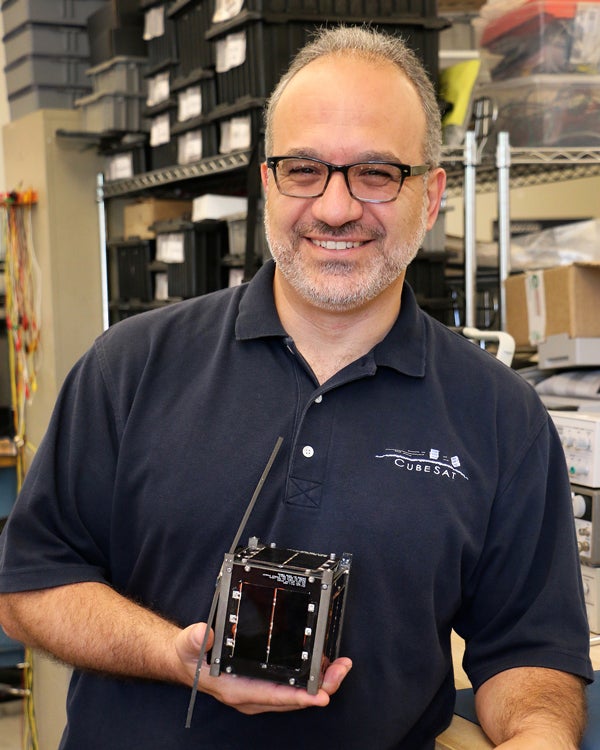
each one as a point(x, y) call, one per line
point(336, 245)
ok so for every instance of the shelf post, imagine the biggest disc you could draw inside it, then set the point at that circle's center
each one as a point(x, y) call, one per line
point(470, 262)
point(503, 167)
point(102, 233)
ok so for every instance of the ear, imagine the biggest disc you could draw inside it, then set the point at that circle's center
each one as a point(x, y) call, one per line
point(264, 174)
point(436, 184)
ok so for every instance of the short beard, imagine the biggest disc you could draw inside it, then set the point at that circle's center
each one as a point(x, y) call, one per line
point(335, 293)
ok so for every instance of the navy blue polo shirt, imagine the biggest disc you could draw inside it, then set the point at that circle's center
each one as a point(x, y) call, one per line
point(436, 466)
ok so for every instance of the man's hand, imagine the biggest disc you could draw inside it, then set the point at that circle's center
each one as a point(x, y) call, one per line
point(253, 696)
point(92, 627)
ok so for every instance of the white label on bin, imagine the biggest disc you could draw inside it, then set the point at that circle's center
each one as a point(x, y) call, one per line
point(585, 50)
point(231, 52)
point(536, 306)
point(189, 147)
point(154, 23)
point(158, 89)
point(190, 103)
point(170, 247)
point(160, 130)
point(161, 286)
point(225, 137)
point(120, 166)
point(226, 9)
point(240, 133)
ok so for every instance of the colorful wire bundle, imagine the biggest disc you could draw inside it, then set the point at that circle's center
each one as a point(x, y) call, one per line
point(23, 322)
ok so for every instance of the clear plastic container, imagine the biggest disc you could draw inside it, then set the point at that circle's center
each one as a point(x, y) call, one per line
point(542, 36)
point(548, 110)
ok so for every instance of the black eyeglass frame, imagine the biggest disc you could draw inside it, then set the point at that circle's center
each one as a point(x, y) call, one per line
point(406, 170)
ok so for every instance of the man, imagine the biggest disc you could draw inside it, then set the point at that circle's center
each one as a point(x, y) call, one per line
point(404, 444)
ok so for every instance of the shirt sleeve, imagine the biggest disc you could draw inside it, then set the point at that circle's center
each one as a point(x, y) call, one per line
point(524, 603)
point(59, 529)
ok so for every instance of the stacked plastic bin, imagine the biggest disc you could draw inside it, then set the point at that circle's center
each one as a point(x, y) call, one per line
point(47, 52)
point(160, 109)
point(117, 77)
point(215, 61)
point(116, 102)
point(542, 60)
point(192, 252)
point(212, 63)
point(254, 46)
point(194, 84)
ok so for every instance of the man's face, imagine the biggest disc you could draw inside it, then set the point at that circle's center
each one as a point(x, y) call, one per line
point(336, 252)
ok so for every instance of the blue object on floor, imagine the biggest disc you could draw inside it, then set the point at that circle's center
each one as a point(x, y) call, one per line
point(465, 707)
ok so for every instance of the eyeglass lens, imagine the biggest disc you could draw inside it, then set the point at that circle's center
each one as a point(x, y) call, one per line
point(306, 178)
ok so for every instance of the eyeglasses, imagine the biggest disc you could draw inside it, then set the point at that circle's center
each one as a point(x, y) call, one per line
point(369, 181)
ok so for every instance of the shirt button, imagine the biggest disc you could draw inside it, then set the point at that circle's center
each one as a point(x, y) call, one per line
point(308, 451)
point(319, 398)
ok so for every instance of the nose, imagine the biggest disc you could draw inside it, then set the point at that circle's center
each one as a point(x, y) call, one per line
point(336, 206)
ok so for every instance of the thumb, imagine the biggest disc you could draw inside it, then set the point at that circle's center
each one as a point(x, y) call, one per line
point(191, 641)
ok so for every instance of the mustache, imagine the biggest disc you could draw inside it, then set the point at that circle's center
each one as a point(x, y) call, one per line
point(345, 230)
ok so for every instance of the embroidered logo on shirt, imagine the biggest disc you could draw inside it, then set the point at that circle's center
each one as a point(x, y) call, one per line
point(426, 462)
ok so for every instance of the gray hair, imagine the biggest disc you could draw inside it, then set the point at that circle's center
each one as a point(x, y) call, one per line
point(371, 45)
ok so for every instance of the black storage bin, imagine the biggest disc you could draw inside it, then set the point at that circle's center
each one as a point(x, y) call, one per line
point(162, 48)
point(273, 40)
point(203, 245)
point(120, 310)
point(162, 118)
point(270, 46)
point(196, 139)
point(427, 274)
point(125, 159)
point(125, 6)
point(345, 10)
point(192, 20)
point(424, 39)
point(239, 126)
point(200, 80)
point(134, 277)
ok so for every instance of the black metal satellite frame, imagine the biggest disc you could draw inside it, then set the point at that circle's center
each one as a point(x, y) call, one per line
point(279, 612)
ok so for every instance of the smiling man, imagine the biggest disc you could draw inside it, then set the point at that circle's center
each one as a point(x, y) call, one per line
point(344, 250)
point(429, 461)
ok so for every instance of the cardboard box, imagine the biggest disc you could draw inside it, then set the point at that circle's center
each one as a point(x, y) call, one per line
point(561, 299)
point(138, 217)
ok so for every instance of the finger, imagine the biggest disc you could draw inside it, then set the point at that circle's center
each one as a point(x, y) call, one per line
point(196, 634)
point(250, 695)
point(335, 674)
point(189, 642)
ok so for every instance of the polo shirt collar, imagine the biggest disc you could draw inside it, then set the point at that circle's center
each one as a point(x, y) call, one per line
point(403, 349)
point(257, 315)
